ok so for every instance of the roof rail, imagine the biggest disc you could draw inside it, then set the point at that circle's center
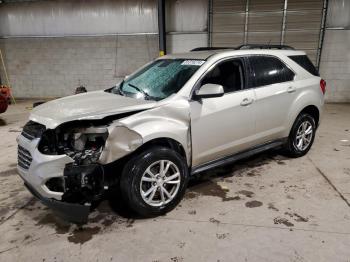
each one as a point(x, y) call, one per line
point(261, 46)
point(245, 47)
point(210, 48)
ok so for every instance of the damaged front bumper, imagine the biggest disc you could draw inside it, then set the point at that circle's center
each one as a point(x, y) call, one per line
point(54, 180)
point(71, 212)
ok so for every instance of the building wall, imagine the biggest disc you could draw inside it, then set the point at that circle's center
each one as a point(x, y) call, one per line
point(335, 65)
point(52, 47)
point(78, 17)
point(50, 67)
point(186, 25)
point(54, 67)
point(184, 42)
point(335, 59)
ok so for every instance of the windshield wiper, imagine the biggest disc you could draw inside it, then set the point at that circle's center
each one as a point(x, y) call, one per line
point(145, 94)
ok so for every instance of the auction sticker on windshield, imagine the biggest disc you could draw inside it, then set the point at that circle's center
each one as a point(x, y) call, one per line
point(193, 62)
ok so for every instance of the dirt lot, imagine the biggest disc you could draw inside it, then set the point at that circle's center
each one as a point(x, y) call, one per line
point(266, 208)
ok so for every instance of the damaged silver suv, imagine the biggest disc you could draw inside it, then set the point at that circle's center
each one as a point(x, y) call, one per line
point(175, 117)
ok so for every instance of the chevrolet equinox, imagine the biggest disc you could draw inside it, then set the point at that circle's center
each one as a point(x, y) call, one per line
point(175, 117)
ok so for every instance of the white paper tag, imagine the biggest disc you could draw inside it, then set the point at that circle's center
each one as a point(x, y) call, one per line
point(193, 62)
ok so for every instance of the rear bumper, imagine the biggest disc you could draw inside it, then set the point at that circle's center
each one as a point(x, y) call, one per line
point(74, 213)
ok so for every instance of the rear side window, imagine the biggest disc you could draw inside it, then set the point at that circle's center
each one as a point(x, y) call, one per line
point(268, 70)
point(305, 63)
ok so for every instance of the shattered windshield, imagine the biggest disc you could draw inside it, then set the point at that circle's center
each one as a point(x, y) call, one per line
point(159, 80)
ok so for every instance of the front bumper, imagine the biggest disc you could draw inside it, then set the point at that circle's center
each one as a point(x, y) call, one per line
point(40, 168)
point(37, 169)
point(74, 213)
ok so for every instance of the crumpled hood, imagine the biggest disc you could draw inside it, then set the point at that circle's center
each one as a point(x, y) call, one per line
point(91, 105)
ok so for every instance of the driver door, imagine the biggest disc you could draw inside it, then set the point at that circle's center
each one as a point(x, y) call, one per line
point(222, 126)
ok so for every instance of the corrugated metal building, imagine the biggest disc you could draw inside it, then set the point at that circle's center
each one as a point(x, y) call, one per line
point(50, 47)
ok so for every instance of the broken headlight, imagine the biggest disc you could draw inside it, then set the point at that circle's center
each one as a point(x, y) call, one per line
point(83, 144)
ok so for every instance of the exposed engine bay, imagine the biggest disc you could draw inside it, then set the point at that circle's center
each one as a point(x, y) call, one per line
point(83, 144)
point(83, 180)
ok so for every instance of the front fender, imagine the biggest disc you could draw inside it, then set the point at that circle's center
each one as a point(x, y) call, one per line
point(171, 120)
point(121, 141)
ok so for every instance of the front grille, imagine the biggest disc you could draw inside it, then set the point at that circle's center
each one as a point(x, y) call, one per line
point(27, 135)
point(24, 157)
point(33, 130)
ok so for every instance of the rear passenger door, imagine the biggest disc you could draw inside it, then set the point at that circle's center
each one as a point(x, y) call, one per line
point(275, 91)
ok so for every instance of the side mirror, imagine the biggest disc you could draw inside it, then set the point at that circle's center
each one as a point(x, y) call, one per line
point(209, 90)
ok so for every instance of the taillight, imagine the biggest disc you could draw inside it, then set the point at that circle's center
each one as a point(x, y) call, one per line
point(323, 85)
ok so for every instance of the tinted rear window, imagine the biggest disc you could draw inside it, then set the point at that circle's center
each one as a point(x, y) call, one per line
point(305, 63)
point(268, 70)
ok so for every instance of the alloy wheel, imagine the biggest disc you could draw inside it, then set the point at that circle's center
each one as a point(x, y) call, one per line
point(304, 136)
point(160, 183)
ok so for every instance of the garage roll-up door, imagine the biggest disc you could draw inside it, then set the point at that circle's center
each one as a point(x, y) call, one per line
point(297, 23)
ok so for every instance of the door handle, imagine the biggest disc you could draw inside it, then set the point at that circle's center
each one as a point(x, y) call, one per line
point(291, 89)
point(246, 101)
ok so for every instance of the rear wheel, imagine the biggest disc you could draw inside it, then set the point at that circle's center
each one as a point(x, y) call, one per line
point(154, 182)
point(301, 136)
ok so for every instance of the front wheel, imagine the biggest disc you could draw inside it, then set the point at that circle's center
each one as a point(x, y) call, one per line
point(301, 136)
point(154, 182)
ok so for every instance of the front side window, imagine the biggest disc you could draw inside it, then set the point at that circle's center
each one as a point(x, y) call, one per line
point(268, 70)
point(229, 74)
point(160, 79)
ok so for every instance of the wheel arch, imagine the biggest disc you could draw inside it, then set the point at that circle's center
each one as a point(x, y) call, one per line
point(165, 142)
point(120, 163)
point(311, 109)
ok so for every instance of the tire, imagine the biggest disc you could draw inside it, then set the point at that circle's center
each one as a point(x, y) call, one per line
point(295, 148)
point(138, 186)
